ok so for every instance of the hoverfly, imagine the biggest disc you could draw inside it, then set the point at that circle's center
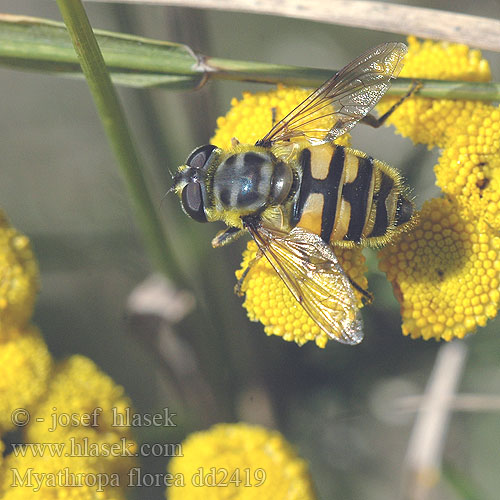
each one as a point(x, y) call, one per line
point(300, 195)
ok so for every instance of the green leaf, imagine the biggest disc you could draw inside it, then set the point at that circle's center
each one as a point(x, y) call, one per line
point(38, 44)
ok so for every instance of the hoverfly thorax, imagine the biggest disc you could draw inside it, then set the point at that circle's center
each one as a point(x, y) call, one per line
point(250, 180)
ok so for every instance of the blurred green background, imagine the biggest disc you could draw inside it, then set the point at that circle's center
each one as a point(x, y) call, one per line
point(60, 186)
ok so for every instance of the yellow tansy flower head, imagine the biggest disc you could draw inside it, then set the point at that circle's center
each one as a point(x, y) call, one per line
point(432, 121)
point(469, 167)
point(58, 476)
point(246, 462)
point(18, 277)
point(25, 366)
point(441, 297)
point(445, 273)
point(79, 388)
point(268, 300)
point(251, 118)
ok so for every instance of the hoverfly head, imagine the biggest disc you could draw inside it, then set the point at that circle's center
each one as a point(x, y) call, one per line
point(190, 182)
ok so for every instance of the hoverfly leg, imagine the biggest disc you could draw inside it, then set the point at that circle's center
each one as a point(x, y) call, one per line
point(375, 122)
point(273, 115)
point(249, 221)
point(367, 297)
point(226, 236)
point(238, 288)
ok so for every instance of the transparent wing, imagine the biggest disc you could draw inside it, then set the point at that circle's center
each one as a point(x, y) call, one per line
point(343, 100)
point(313, 275)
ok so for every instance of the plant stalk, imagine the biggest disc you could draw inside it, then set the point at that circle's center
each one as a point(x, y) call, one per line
point(43, 45)
point(115, 125)
point(114, 121)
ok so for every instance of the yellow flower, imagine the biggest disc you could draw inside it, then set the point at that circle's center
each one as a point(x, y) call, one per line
point(45, 477)
point(268, 300)
point(253, 462)
point(251, 118)
point(469, 174)
point(433, 121)
point(25, 365)
point(18, 277)
point(445, 273)
point(79, 388)
point(469, 167)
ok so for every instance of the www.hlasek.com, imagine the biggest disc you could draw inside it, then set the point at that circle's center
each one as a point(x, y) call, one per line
point(214, 477)
point(84, 447)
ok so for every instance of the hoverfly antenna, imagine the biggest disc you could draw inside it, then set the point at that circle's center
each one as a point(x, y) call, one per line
point(163, 198)
point(171, 189)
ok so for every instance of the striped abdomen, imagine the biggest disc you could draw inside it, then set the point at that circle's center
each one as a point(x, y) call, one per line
point(346, 196)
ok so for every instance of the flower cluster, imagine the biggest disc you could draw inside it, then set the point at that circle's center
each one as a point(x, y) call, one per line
point(31, 381)
point(18, 277)
point(268, 300)
point(25, 362)
point(25, 367)
point(79, 385)
point(432, 121)
point(469, 166)
point(247, 462)
point(62, 478)
point(424, 277)
point(446, 272)
point(253, 116)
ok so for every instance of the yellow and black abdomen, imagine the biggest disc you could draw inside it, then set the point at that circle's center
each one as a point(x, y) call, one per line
point(347, 197)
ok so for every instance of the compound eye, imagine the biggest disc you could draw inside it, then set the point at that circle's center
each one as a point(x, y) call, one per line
point(192, 201)
point(199, 157)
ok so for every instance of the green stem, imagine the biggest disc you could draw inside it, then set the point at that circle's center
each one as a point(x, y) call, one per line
point(441, 89)
point(114, 122)
point(40, 44)
point(227, 69)
point(115, 125)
